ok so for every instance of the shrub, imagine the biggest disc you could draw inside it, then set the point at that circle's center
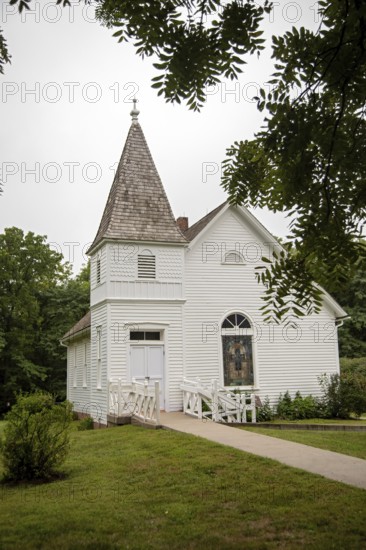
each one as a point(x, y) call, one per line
point(304, 407)
point(298, 408)
point(86, 424)
point(284, 406)
point(343, 395)
point(36, 438)
point(265, 412)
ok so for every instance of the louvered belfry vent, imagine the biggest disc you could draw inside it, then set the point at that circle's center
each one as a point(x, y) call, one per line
point(98, 271)
point(146, 266)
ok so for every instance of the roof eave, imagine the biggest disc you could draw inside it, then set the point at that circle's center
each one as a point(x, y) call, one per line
point(338, 310)
point(105, 240)
point(76, 335)
point(328, 300)
point(209, 225)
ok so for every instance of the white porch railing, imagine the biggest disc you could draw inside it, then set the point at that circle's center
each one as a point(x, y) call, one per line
point(212, 402)
point(137, 400)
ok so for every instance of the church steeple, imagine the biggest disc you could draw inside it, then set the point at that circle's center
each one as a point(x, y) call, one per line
point(137, 208)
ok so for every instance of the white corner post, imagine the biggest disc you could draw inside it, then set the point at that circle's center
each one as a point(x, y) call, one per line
point(215, 402)
point(119, 397)
point(157, 401)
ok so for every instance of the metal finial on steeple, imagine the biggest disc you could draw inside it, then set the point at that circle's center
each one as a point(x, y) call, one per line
point(135, 112)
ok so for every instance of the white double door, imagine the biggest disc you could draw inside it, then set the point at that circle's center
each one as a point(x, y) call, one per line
point(147, 362)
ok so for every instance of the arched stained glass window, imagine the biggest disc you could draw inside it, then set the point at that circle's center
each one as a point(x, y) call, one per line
point(236, 320)
point(237, 349)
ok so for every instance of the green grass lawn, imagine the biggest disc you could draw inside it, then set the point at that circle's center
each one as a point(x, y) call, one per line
point(133, 488)
point(349, 443)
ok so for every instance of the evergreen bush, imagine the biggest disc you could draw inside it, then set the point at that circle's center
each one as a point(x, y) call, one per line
point(298, 408)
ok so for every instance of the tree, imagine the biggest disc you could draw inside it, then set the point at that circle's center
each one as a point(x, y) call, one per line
point(60, 308)
point(309, 158)
point(38, 302)
point(343, 395)
point(352, 336)
point(28, 268)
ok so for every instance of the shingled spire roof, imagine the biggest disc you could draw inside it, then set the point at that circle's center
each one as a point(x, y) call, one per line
point(137, 208)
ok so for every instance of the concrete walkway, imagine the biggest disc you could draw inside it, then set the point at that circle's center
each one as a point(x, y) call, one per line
point(346, 469)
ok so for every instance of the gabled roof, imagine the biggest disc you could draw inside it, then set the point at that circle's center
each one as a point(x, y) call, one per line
point(191, 234)
point(83, 324)
point(137, 208)
point(197, 227)
point(203, 223)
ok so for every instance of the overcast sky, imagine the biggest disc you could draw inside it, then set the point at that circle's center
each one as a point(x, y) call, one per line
point(65, 104)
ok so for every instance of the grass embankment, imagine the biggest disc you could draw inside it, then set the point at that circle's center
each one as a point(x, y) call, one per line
point(348, 443)
point(133, 488)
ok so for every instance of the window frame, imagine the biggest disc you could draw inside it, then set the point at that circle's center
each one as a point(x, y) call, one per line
point(85, 365)
point(143, 334)
point(75, 383)
point(237, 254)
point(237, 331)
point(99, 358)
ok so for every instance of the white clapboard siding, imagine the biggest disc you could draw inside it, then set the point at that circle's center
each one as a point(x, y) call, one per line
point(123, 299)
point(101, 255)
point(99, 290)
point(144, 289)
point(78, 395)
point(97, 407)
point(123, 261)
point(193, 292)
point(214, 289)
point(165, 316)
